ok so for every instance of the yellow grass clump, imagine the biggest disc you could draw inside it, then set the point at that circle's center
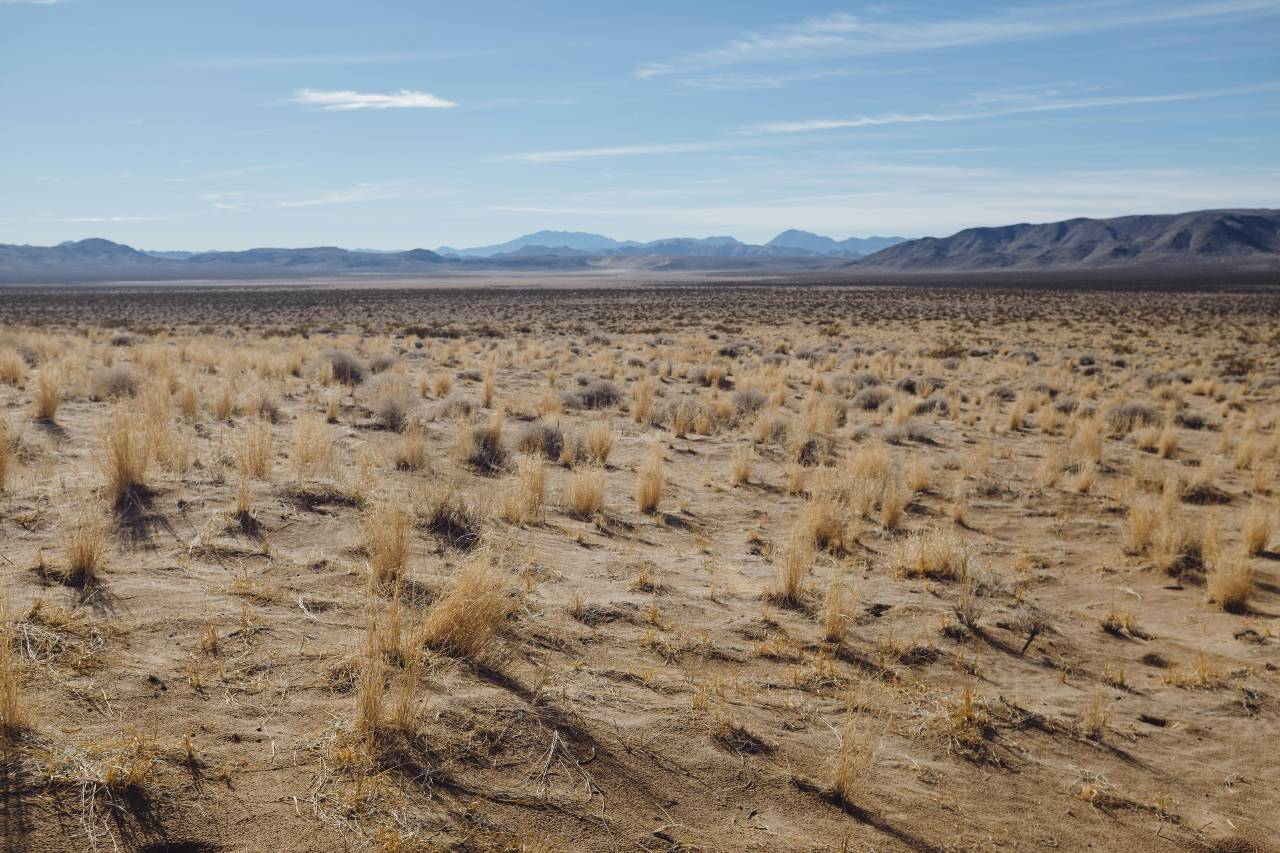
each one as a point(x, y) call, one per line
point(583, 494)
point(253, 453)
point(740, 465)
point(126, 457)
point(854, 760)
point(14, 717)
point(386, 541)
point(937, 554)
point(468, 620)
point(793, 568)
point(312, 453)
point(522, 504)
point(1256, 530)
point(651, 481)
point(85, 547)
point(48, 395)
point(1229, 582)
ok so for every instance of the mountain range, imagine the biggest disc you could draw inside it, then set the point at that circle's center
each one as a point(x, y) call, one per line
point(1213, 240)
point(1238, 238)
point(791, 243)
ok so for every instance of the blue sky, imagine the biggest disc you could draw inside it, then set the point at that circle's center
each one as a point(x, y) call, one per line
point(173, 125)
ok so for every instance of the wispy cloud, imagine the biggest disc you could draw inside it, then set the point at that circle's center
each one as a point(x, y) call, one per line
point(348, 100)
point(1019, 102)
point(847, 35)
point(1024, 103)
point(754, 82)
point(226, 173)
point(358, 193)
point(31, 2)
point(568, 154)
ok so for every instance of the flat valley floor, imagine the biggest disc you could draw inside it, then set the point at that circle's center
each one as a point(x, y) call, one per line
point(687, 568)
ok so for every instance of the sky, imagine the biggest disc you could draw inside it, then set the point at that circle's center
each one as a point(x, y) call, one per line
point(396, 125)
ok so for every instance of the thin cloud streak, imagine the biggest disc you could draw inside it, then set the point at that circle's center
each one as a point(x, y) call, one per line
point(569, 154)
point(358, 193)
point(1049, 106)
point(843, 34)
point(226, 173)
point(348, 100)
point(796, 127)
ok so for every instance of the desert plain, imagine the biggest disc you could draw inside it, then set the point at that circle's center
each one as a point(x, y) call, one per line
point(699, 567)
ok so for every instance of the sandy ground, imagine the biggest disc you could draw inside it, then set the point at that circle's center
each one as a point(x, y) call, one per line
point(1032, 654)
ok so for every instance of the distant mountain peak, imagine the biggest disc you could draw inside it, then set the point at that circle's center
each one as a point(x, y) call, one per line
point(793, 238)
point(581, 241)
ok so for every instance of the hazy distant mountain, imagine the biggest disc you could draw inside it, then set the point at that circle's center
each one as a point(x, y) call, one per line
point(716, 247)
point(1212, 240)
point(97, 259)
point(561, 243)
point(92, 251)
point(319, 259)
point(820, 245)
point(1238, 238)
point(579, 240)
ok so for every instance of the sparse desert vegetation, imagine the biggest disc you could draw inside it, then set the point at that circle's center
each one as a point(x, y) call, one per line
point(679, 568)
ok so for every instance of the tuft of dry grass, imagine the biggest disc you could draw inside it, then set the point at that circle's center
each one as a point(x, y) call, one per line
point(372, 682)
point(312, 454)
point(821, 523)
point(487, 389)
point(740, 465)
point(583, 494)
point(599, 443)
point(917, 476)
point(523, 503)
point(480, 446)
point(14, 717)
point(893, 500)
point(126, 457)
point(114, 382)
point(1096, 716)
point(386, 541)
point(937, 554)
point(1256, 530)
point(468, 620)
point(835, 616)
point(188, 401)
point(85, 547)
point(854, 760)
point(1049, 471)
point(1229, 582)
point(48, 394)
point(13, 367)
point(253, 453)
point(410, 451)
point(793, 569)
point(392, 404)
point(642, 401)
point(1141, 524)
point(651, 481)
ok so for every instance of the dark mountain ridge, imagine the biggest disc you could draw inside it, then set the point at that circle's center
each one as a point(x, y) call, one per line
point(1205, 237)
